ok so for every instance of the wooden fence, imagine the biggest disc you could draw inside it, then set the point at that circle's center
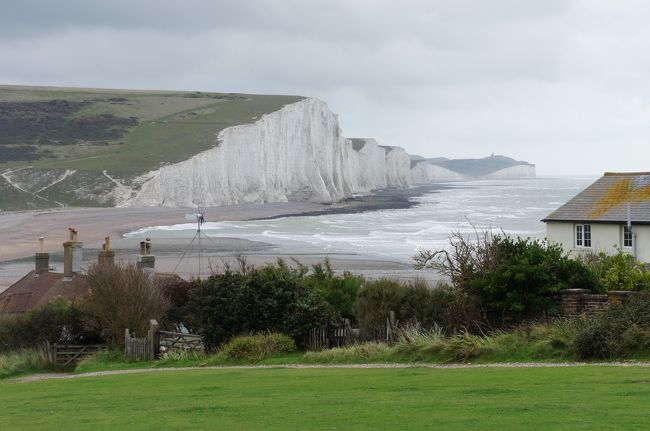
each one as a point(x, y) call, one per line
point(67, 355)
point(341, 334)
point(332, 335)
point(157, 342)
point(136, 349)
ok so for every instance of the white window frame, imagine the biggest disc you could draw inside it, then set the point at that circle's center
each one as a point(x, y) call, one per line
point(627, 232)
point(582, 235)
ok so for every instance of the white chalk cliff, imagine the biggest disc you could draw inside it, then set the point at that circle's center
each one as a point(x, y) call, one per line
point(296, 153)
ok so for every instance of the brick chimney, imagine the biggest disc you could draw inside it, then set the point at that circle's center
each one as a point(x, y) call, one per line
point(106, 256)
point(72, 254)
point(41, 259)
point(146, 261)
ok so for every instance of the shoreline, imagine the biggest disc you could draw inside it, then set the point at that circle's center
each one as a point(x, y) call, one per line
point(20, 232)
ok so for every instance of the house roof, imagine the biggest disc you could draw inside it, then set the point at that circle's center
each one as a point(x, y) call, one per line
point(607, 200)
point(38, 289)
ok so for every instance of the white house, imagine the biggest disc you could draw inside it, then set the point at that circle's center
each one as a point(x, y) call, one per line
point(597, 218)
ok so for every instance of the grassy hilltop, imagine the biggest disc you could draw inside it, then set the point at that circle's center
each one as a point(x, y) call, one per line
point(125, 132)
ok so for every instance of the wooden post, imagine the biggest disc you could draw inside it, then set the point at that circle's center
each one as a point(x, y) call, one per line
point(154, 345)
point(126, 344)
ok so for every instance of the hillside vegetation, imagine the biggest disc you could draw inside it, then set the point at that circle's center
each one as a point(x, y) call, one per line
point(117, 130)
point(70, 137)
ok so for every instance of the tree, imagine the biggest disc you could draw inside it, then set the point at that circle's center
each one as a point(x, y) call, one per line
point(122, 296)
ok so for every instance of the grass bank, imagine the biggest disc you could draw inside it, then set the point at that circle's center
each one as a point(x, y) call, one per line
point(582, 398)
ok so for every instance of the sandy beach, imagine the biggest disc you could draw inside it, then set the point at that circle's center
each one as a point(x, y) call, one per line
point(19, 233)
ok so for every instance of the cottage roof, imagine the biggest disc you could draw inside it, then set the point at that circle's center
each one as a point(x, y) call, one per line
point(38, 289)
point(607, 200)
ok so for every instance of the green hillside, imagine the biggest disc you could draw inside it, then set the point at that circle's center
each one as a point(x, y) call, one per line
point(123, 131)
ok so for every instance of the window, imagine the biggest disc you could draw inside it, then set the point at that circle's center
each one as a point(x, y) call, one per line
point(627, 236)
point(583, 235)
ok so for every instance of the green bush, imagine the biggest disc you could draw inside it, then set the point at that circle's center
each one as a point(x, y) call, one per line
point(57, 321)
point(512, 279)
point(412, 301)
point(339, 291)
point(273, 298)
point(620, 271)
point(257, 347)
point(621, 330)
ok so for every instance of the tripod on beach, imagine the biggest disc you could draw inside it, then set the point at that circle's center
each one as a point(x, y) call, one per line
point(200, 219)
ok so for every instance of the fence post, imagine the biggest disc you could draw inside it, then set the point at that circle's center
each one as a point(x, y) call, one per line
point(126, 344)
point(154, 344)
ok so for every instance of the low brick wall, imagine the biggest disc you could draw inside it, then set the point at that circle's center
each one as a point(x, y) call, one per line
point(572, 302)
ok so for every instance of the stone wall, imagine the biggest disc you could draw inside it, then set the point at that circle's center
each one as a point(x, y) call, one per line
point(572, 302)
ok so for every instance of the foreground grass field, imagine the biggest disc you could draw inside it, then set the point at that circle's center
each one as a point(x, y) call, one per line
point(580, 398)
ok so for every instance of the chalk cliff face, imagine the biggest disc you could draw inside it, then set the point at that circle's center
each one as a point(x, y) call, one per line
point(296, 153)
point(513, 172)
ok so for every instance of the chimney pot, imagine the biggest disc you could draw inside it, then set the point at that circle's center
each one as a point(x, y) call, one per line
point(42, 259)
point(106, 256)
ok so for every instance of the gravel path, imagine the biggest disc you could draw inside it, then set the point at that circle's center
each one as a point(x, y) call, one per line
point(52, 376)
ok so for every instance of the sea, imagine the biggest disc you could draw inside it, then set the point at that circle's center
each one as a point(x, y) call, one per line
point(515, 207)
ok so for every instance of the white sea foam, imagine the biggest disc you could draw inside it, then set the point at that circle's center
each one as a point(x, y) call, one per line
point(515, 207)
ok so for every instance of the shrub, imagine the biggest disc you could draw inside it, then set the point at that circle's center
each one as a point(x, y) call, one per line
point(620, 271)
point(272, 298)
point(411, 301)
point(620, 331)
point(339, 292)
point(179, 314)
point(257, 347)
point(57, 321)
point(511, 278)
point(122, 296)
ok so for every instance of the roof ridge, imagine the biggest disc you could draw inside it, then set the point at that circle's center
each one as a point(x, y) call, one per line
point(623, 174)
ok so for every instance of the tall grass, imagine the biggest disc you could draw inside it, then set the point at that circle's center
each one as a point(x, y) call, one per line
point(552, 341)
point(21, 362)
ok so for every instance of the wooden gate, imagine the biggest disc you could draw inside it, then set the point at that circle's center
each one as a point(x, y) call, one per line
point(170, 341)
point(68, 355)
point(331, 335)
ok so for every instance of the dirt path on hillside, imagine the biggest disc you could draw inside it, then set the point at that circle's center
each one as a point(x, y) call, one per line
point(54, 376)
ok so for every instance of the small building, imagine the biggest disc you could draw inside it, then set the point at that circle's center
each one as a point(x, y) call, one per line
point(41, 286)
point(613, 213)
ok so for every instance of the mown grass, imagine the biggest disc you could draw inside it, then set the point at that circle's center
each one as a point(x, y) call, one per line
point(580, 398)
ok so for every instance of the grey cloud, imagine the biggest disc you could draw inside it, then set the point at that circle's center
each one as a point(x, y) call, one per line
point(553, 81)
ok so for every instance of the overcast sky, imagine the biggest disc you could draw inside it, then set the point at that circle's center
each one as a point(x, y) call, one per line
point(563, 84)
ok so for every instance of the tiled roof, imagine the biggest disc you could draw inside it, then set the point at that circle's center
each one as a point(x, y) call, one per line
point(607, 200)
point(38, 289)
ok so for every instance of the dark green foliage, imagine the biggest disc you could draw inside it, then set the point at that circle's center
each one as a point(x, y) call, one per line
point(257, 347)
point(52, 123)
point(272, 298)
point(527, 275)
point(619, 331)
point(58, 321)
point(339, 292)
point(411, 301)
point(179, 314)
point(511, 279)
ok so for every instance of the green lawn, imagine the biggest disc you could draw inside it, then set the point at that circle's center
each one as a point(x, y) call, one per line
point(583, 398)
